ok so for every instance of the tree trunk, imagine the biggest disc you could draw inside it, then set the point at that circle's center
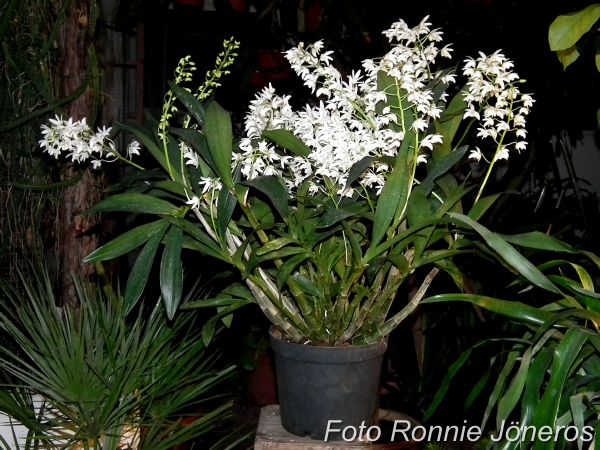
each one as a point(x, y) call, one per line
point(77, 234)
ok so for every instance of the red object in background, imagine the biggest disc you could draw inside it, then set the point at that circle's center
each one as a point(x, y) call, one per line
point(312, 15)
point(271, 66)
point(194, 3)
point(262, 385)
point(240, 6)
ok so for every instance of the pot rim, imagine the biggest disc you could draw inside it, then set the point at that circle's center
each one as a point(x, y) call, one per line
point(324, 353)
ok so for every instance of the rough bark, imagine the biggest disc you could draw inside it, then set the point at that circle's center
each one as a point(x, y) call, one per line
point(77, 234)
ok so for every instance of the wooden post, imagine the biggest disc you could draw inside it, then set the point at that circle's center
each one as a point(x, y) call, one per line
point(76, 234)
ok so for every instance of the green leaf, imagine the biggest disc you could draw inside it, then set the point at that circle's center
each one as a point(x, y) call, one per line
point(566, 30)
point(447, 125)
point(513, 394)
point(358, 168)
point(535, 380)
point(508, 253)
point(197, 140)
point(275, 244)
point(539, 241)
point(394, 194)
point(287, 140)
point(439, 168)
point(208, 331)
point(568, 56)
point(443, 389)
point(127, 242)
point(435, 256)
point(307, 285)
point(135, 203)
point(565, 354)
point(499, 386)
point(171, 186)
point(42, 187)
point(216, 302)
point(478, 388)
point(225, 206)
point(482, 205)
point(418, 213)
point(332, 216)
point(286, 269)
point(141, 269)
point(273, 188)
point(219, 136)
point(448, 266)
point(171, 271)
point(514, 310)
point(256, 260)
point(192, 104)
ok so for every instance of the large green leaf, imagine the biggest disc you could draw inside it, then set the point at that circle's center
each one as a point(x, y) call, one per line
point(333, 215)
point(511, 309)
point(192, 104)
point(197, 233)
point(419, 212)
point(508, 253)
point(135, 203)
point(197, 140)
point(568, 56)
point(394, 194)
point(566, 30)
point(287, 140)
point(225, 206)
point(513, 394)
point(538, 240)
point(275, 189)
point(535, 379)
point(447, 125)
point(565, 354)
point(482, 205)
point(219, 136)
point(286, 269)
point(171, 271)
point(138, 277)
point(126, 242)
point(358, 168)
point(440, 167)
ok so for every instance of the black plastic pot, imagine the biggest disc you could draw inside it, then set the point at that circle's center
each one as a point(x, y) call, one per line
point(318, 384)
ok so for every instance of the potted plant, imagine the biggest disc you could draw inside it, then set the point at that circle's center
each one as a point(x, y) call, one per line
point(92, 378)
point(328, 210)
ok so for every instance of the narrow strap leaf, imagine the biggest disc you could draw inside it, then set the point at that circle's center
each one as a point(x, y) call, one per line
point(126, 242)
point(141, 269)
point(508, 253)
point(135, 203)
point(171, 271)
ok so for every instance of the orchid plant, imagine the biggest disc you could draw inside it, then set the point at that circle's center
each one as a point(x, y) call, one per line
point(327, 210)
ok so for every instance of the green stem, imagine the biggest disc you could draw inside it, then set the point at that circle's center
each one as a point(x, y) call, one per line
point(128, 161)
point(490, 167)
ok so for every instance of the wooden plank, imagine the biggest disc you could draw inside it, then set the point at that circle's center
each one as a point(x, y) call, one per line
point(270, 435)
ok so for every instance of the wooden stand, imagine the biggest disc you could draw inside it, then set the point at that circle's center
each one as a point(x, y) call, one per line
point(271, 436)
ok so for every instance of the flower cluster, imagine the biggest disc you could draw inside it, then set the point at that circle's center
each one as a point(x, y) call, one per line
point(78, 141)
point(370, 112)
point(494, 99)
